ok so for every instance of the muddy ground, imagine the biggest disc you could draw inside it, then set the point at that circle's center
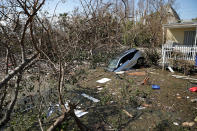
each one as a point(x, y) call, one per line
point(125, 103)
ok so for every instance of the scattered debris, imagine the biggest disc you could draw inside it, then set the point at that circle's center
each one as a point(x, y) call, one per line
point(145, 81)
point(193, 89)
point(184, 77)
point(111, 102)
point(78, 113)
point(156, 87)
point(177, 76)
point(141, 108)
point(114, 93)
point(100, 88)
point(170, 69)
point(178, 97)
point(120, 72)
point(176, 123)
point(190, 124)
point(143, 73)
point(146, 105)
point(94, 77)
point(194, 100)
point(103, 80)
point(127, 113)
point(187, 97)
point(90, 98)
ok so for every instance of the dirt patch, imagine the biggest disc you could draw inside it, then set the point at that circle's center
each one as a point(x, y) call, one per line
point(125, 101)
point(152, 109)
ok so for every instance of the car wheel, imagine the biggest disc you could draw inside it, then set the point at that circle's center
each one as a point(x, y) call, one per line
point(140, 61)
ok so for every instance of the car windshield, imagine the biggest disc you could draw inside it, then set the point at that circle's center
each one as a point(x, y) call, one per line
point(113, 63)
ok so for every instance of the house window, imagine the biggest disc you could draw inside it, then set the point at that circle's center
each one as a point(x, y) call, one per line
point(189, 37)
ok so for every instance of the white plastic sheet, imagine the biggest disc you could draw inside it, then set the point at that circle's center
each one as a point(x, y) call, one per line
point(103, 80)
point(90, 98)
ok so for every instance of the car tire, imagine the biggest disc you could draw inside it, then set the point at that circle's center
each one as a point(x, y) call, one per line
point(140, 62)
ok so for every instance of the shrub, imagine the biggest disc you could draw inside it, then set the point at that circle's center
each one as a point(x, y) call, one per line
point(151, 57)
point(178, 63)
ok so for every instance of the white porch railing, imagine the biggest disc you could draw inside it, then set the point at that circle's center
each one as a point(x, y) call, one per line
point(187, 53)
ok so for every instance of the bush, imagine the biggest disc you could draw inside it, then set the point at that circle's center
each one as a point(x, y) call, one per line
point(151, 57)
point(178, 63)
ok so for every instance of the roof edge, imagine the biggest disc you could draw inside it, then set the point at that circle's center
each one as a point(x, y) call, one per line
point(178, 25)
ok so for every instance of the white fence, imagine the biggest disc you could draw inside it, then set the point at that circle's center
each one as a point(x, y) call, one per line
point(187, 53)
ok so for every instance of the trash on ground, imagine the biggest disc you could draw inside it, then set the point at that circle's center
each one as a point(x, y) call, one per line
point(146, 105)
point(170, 69)
point(176, 123)
point(188, 124)
point(127, 113)
point(141, 108)
point(114, 93)
point(120, 72)
point(177, 76)
point(178, 97)
point(184, 77)
point(156, 87)
point(78, 113)
point(145, 81)
point(143, 73)
point(100, 88)
point(194, 100)
point(90, 98)
point(187, 97)
point(103, 80)
point(193, 89)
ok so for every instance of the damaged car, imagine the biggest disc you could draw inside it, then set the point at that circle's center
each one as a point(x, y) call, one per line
point(126, 60)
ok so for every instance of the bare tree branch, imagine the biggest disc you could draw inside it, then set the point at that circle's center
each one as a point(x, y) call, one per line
point(7, 115)
point(17, 70)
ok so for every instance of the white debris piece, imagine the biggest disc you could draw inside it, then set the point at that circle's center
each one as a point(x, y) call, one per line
point(141, 108)
point(184, 77)
point(99, 88)
point(120, 72)
point(176, 123)
point(90, 98)
point(103, 80)
point(80, 113)
point(170, 68)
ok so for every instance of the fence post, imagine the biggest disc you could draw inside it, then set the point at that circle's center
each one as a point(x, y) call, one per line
point(163, 57)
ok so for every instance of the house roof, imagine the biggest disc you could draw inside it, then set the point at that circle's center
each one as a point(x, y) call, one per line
point(174, 12)
point(181, 25)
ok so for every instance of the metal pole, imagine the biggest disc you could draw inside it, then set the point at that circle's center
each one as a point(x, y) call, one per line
point(196, 37)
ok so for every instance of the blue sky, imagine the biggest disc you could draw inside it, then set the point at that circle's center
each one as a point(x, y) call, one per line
point(187, 9)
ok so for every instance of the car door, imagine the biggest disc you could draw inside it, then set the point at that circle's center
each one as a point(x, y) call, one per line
point(125, 62)
point(133, 57)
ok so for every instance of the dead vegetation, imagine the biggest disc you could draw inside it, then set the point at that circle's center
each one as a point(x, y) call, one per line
point(185, 66)
point(45, 65)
